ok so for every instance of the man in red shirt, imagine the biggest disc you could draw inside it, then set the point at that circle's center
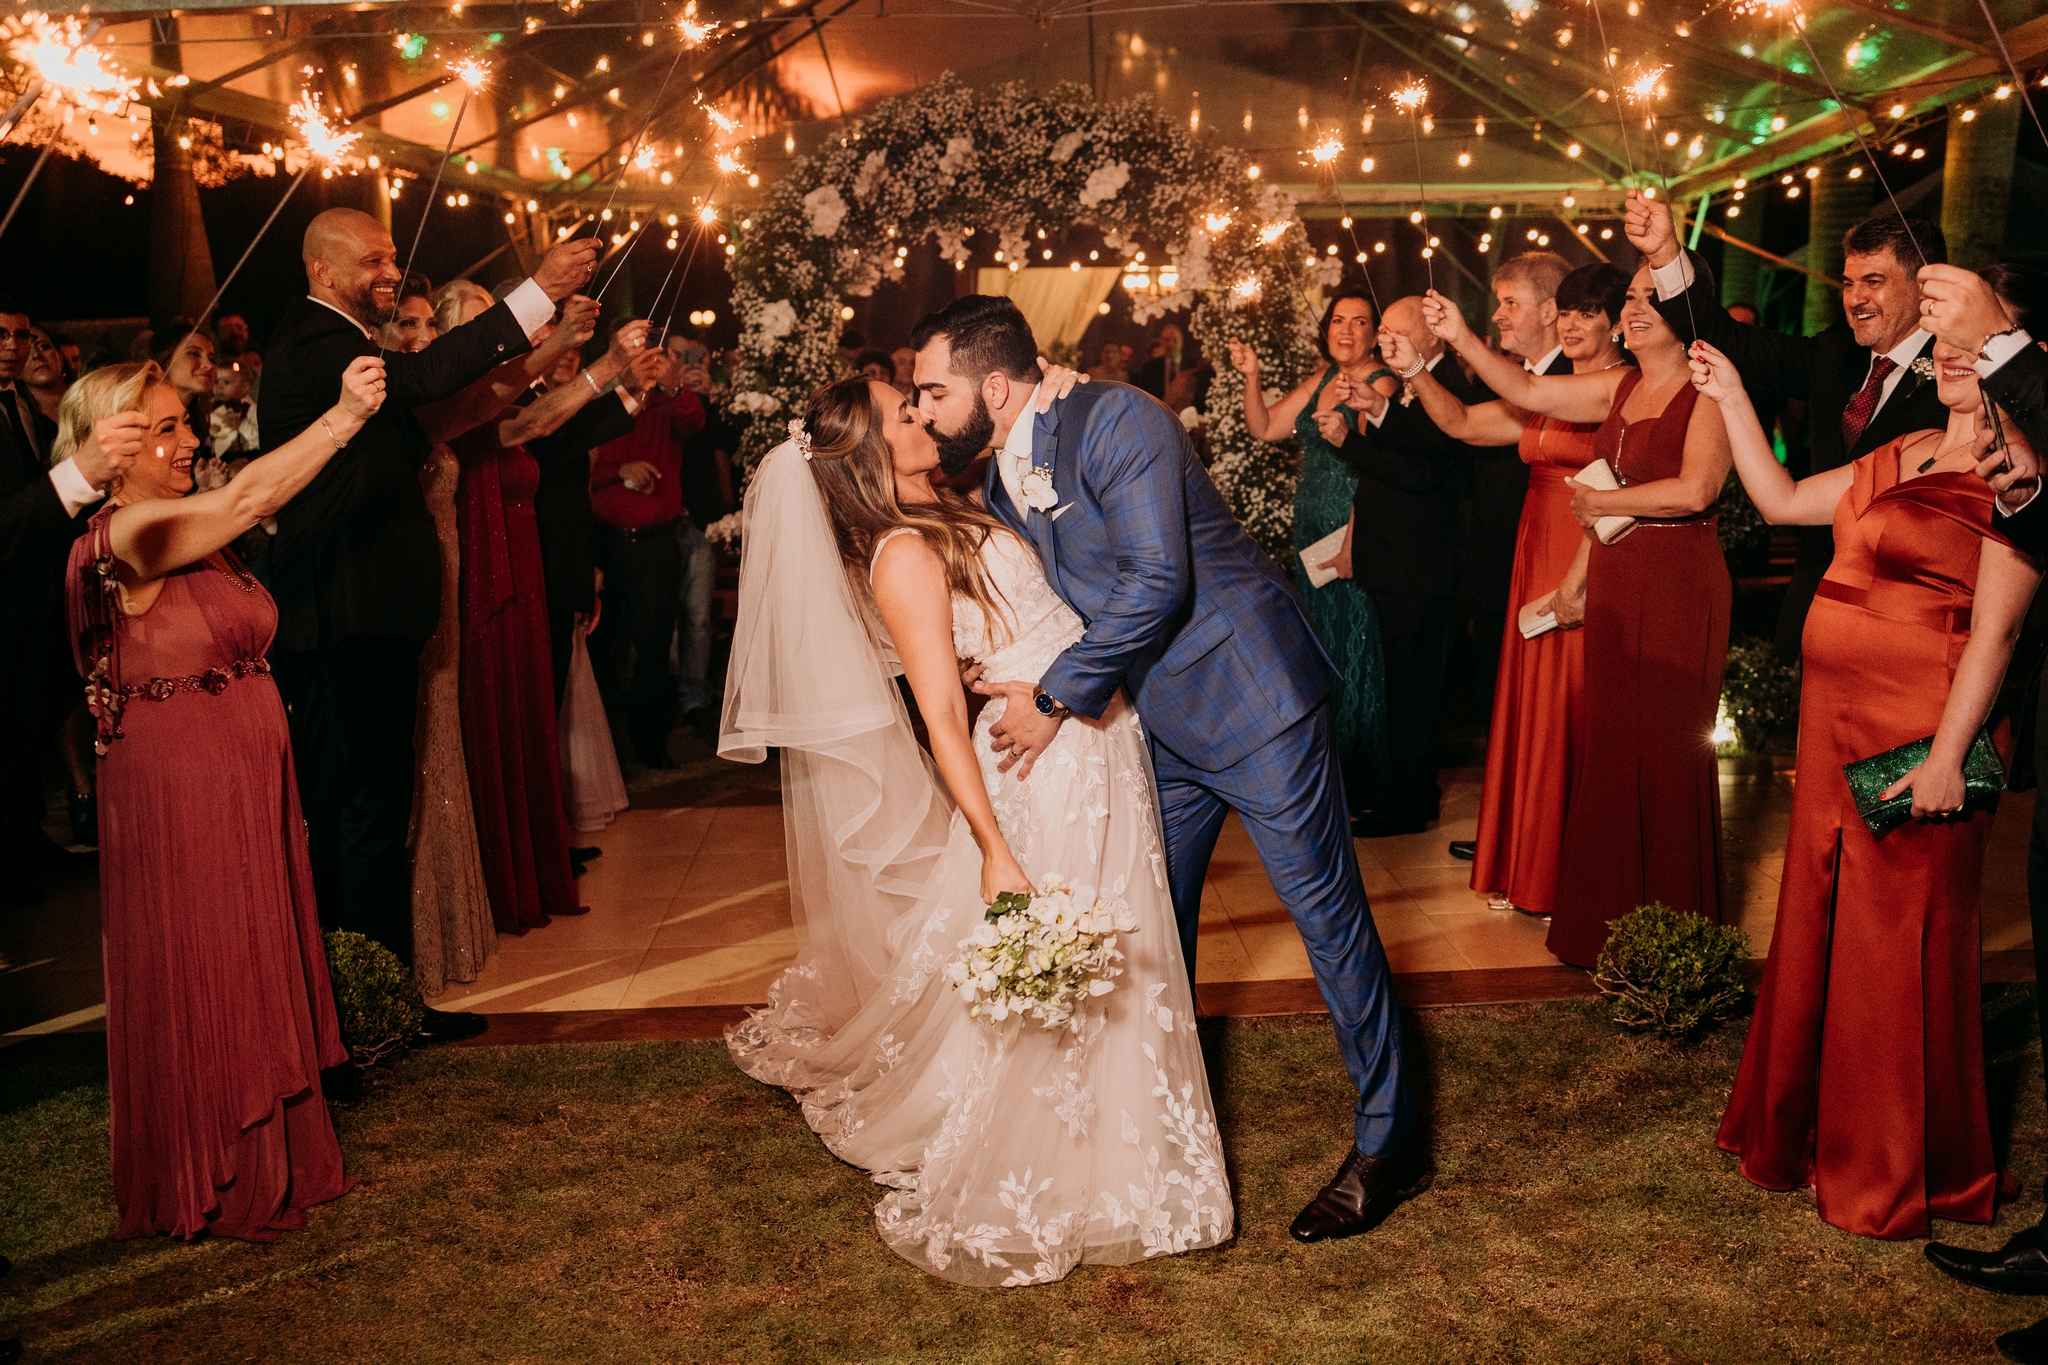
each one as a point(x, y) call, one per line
point(636, 495)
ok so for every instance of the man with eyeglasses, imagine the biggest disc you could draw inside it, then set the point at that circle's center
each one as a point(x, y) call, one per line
point(41, 511)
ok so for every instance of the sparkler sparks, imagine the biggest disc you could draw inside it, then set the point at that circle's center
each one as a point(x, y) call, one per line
point(326, 143)
point(728, 163)
point(60, 53)
point(1647, 85)
point(1271, 233)
point(471, 72)
point(1216, 222)
point(723, 122)
point(1411, 97)
point(1328, 150)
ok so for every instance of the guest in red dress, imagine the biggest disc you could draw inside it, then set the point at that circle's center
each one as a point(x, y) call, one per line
point(219, 1015)
point(507, 684)
point(1538, 709)
point(1864, 1071)
point(1644, 822)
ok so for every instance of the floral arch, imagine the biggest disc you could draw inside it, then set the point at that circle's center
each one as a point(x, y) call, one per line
point(947, 162)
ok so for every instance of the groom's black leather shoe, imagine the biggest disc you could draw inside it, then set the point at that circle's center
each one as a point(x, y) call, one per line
point(1366, 1190)
point(2018, 1267)
point(450, 1026)
point(2029, 1345)
point(1465, 849)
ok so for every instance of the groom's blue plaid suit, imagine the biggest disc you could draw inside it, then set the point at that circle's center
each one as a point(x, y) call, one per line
point(1205, 633)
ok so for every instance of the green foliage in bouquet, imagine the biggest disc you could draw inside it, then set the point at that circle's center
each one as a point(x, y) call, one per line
point(375, 997)
point(1008, 902)
point(1759, 694)
point(1672, 972)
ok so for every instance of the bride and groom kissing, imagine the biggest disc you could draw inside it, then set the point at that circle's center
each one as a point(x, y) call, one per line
point(1149, 670)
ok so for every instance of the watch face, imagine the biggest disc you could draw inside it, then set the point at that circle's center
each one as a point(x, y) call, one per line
point(1044, 702)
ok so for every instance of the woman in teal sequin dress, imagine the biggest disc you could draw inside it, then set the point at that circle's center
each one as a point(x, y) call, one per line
point(1342, 612)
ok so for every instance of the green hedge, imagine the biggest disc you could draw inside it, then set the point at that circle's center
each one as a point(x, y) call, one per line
point(1672, 972)
point(375, 997)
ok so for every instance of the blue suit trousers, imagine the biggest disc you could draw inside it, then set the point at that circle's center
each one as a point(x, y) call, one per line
point(1290, 797)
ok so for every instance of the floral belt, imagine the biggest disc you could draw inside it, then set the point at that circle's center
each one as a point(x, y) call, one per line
point(213, 680)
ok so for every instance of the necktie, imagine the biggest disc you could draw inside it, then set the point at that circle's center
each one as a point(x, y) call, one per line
point(1857, 415)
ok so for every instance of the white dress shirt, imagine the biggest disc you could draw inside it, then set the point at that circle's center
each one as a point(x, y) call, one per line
point(1549, 358)
point(74, 491)
point(1013, 461)
point(1674, 279)
point(531, 308)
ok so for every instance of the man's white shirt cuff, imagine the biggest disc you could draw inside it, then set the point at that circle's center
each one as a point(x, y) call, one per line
point(531, 306)
point(2000, 349)
point(632, 403)
point(74, 490)
point(1674, 279)
point(1378, 417)
point(2000, 504)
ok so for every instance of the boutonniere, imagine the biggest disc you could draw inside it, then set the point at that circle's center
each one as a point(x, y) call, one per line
point(1923, 369)
point(1407, 394)
point(1036, 485)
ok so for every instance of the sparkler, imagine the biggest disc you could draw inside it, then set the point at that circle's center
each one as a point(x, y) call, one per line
point(2019, 82)
point(1788, 10)
point(472, 74)
point(1409, 100)
point(324, 143)
point(1645, 88)
point(1325, 154)
point(652, 110)
point(66, 65)
point(1607, 61)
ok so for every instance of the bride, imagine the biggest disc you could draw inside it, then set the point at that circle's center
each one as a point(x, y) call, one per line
point(1013, 1152)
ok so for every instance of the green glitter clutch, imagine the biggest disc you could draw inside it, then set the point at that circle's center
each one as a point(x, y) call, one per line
point(1983, 777)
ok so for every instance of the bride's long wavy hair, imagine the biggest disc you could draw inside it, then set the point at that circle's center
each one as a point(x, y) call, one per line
point(851, 463)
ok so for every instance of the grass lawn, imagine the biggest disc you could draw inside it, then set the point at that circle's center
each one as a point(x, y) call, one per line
point(644, 1201)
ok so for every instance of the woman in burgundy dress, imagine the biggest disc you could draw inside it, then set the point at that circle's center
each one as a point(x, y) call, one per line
point(1863, 1075)
point(1645, 817)
point(1538, 698)
point(507, 678)
point(219, 1015)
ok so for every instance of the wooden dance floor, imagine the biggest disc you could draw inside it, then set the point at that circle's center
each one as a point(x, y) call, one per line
point(689, 922)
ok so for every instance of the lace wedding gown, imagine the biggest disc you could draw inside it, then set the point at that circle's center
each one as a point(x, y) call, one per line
point(1015, 1153)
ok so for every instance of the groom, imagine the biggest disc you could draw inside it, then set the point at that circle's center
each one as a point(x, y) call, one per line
point(1188, 615)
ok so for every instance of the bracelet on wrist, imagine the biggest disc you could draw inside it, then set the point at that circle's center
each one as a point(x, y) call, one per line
point(1417, 368)
point(592, 382)
point(339, 444)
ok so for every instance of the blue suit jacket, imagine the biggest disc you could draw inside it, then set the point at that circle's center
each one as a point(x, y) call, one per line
point(1180, 606)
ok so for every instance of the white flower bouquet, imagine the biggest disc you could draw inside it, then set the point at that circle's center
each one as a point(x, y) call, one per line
point(1040, 957)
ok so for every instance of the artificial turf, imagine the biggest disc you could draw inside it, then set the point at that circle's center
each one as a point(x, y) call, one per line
point(646, 1202)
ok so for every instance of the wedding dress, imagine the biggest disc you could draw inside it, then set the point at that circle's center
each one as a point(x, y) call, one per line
point(1013, 1153)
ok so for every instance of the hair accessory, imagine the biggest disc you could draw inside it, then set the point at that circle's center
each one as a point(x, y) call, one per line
point(800, 436)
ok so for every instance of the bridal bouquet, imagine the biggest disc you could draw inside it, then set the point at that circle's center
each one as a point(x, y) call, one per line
point(1040, 956)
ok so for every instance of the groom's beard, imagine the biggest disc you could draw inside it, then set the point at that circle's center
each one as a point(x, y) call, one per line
point(959, 449)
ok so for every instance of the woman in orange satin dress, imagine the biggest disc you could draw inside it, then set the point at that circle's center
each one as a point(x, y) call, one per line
point(1864, 1071)
point(1538, 715)
point(1644, 822)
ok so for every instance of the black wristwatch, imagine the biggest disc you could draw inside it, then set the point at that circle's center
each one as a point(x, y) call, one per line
point(1047, 706)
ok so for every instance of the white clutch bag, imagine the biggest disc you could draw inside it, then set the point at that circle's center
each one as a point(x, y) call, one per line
point(1609, 529)
point(1313, 558)
point(1537, 618)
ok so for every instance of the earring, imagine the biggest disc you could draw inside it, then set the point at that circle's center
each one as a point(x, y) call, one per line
point(1616, 338)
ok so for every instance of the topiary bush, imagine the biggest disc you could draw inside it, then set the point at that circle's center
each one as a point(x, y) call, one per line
point(375, 997)
point(1672, 972)
point(1759, 694)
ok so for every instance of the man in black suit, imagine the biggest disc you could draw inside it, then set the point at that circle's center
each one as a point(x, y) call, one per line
point(1861, 380)
point(1403, 549)
point(2000, 325)
point(357, 564)
point(42, 511)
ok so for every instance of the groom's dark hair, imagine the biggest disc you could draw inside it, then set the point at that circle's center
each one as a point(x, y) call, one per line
point(986, 334)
